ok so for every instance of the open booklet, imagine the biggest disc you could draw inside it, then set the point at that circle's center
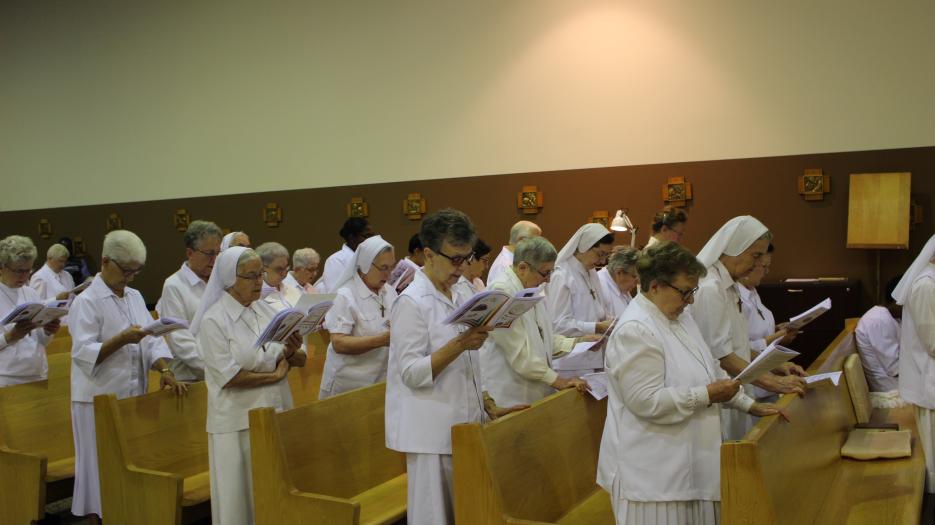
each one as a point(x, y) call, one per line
point(597, 384)
point(773, 356)
point(587, 355)
point(797, 322)
point(305, 317)
point(80, 288)
point(164, 325)
point(402, 275)
point(38, 313)
point(494, 308)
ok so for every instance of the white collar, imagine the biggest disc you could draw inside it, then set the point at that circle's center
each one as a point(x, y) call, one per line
point(189, 275)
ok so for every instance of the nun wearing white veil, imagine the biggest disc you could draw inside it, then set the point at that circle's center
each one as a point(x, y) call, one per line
point(359, 320)
point(916, 293)
point(235, 239)
point(238, 375)
point(573, 294)
point(733, 252)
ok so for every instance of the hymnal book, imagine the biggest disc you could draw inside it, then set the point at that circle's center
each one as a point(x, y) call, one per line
point(597, 384)
point(834, 377)
point(495, 308)
point(770, 358)
point(402, 275)
point(797, 322)
point(164, 325)
point(305, 317)
point(39, 313)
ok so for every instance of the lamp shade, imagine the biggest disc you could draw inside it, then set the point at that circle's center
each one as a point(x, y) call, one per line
point(619, 224)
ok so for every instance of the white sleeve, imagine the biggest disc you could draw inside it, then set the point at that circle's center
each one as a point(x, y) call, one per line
point(514, 345)
point(84, 325)
point(41, 287)
point(216, 352)
point(921, 306)
point(558, 300)
point(182, 343)
point(334, 267)
point(710, 314)
point(410, 344)
point(340, 317)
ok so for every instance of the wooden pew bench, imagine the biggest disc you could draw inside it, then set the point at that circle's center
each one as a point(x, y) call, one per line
point(37, 451)
point(327, 463)
point(533, 467)
point(59, 345)
point(153, 457)
point(792, 472)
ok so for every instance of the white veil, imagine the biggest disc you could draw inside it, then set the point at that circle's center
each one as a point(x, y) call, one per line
point(222, 277)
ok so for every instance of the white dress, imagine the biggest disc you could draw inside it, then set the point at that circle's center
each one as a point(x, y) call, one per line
point(660, 450)
point(503, 261)
point(280, 298)
point(516, 362)
point(23, 361)
point(98, 315)
point(226, 338)
point(334, 267)
point(877, 337)
point(290, 280)
point(357, 312)
point(181, 295)
point(573, 296)
point(615, 301)
point(421, 409)
point(49, 284)
point(718, 311)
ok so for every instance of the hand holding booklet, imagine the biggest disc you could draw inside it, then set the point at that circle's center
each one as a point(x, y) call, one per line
point(797, 322)
point(494, 308)
point(80, 288)
point(304, 318)
point(402, 275)
point(597, 384)
point(773, 356)
point(39, 313)
point(164, 325)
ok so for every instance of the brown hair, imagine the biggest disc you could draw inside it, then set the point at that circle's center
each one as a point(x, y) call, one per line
point(668, 217)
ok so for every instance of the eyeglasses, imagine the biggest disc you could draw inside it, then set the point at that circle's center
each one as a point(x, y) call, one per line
point(127, 272)
point(278, 271)
point(209, 255)
point(382, 269)
point(251, 276)
point(23, 272)
point(686, 294)
point(546, 274)
point(601, 254)
point(457, 260)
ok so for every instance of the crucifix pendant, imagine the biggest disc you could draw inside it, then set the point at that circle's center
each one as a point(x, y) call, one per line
point(382, 310)
point(592, 294)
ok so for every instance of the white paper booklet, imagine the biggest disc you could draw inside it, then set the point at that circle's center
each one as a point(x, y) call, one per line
point(80, 288)
point(402, 275)
point(773, 356)
point(164, 325)
point(810, 315)
point(597, 384)
point(581, 357)
point(39, 313)
point(304, 318)
point(495, 308)
point(834, 377)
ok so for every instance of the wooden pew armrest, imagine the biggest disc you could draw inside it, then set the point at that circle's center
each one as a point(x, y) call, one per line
point(308, 507)
point(22, 485)
point(518, 521)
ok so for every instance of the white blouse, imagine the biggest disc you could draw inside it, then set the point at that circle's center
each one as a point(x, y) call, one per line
point(25, 359)
point(334, 267)
point(573, 297)
point(49, 284)
point(181, 295)
point(96, 315)
point(280, 299)
point(615, 301)
point(760, 321)
point(503, 261)
point(917, 342)
point(662, 437)
point(516, 362)
point(877, 335)
point(420, 409)
point(357, 312)
point(228, 332)
point(469, 288)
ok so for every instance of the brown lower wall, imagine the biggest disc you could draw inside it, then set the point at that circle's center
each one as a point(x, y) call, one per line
point(809, 236)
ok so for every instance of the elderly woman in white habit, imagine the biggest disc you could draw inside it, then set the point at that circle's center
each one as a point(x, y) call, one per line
point(618, 279)
point(916, 293)
point(516, 362)
point(275, 259)
point(573, 294)
point(52, 281)
point(22, 345)
point(359, 321)
point(305, 263)
point(239, 375)
point(731, 254)
point(235, 239)
point(660, 451)
point(110, 353)
point(434, 378)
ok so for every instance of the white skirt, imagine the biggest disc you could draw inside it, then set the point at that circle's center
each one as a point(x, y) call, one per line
point(925, 420)
point(431, 492)
point(19, 380)
point(231, 478)
point(696, 512)
point(86, 498)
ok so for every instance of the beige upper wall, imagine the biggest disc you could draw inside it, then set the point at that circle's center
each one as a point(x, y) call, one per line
point(126, 101)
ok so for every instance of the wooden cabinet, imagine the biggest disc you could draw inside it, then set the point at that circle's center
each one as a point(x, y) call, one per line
point(788, 299)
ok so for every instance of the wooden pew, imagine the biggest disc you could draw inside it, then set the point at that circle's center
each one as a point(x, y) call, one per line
point(305, 382)
point(59, 345)
point(327, 463)
point(37, 452)
point(792, 473)
point(153, 457)
point(533, 467)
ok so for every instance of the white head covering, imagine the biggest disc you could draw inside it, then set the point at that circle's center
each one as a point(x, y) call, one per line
point(222, 277)
point(901, 292)
point(363, 257)
point(732, 239)
point(583, 240)
point(228, 239)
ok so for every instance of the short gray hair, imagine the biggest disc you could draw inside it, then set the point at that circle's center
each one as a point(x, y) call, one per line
point(534, 251)
point(200, 230)
point(248, 255)
point(124, 246)
point(623, 257)
point(57, 251)
point(304, 257)
point(447, 224)
point(524, 230)
point(664, 262)
point(17, 249)
point(270, 251)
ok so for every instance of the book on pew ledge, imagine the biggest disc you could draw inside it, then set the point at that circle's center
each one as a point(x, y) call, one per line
point(773, 356)
point(305, 317)
point(402, 275)
point(39, 313)
point(797, 322)
point(870, 443)
point(597, 384)
point(164, 325)
point(834, 377)
point(494, 308)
